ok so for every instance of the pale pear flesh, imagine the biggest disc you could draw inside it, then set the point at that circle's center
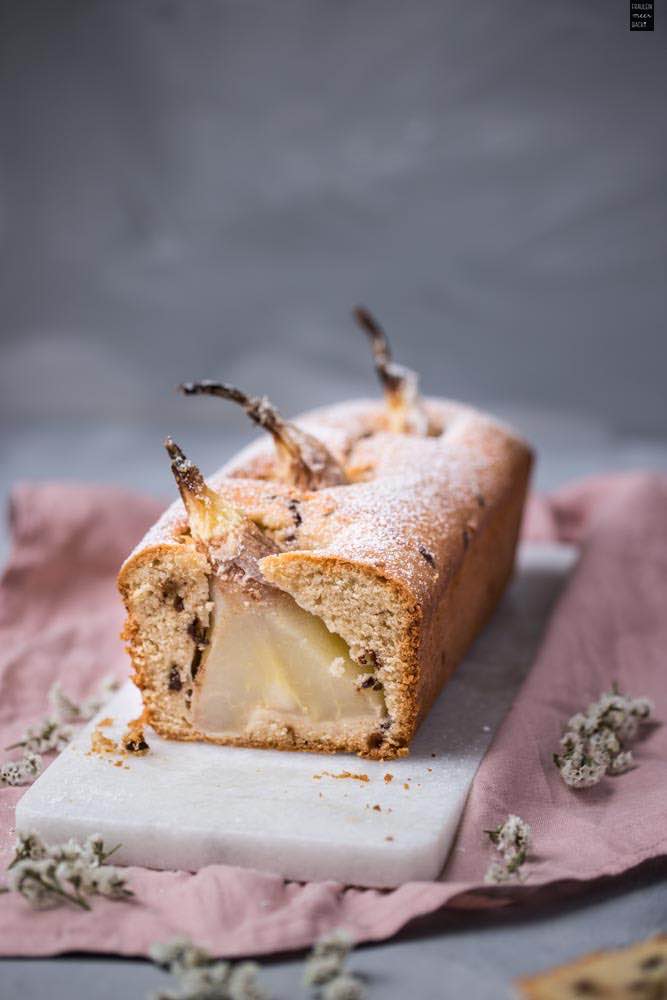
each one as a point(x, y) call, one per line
point(267, 657)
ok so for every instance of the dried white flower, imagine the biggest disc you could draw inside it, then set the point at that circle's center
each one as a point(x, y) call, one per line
point(603, 744)
point(48, 876)
point(345, 987)
point(497, 873)
point(577, 772)
point(579, 724)
point(28, 846)
point(243, 983)
point(49, 734)
point(106, 881)
point(592, 743)
point(327, 958)
point(512, 840)
point(179, 953)
point(93, 849)
point(21, 772)
point(338, 942)
point(201, 977)
point(325, 968)
point(513, 837)
point(33, 880)
point(642, 708)
point(52, 733)
point(621, 763)
point(320, 970)
point(66, 710)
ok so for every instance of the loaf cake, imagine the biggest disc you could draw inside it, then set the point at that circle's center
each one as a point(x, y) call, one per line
point(319, 590)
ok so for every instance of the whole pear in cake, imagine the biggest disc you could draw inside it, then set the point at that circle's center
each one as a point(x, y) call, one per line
point(319, 590)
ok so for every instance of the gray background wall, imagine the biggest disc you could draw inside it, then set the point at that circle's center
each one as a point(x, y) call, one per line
point(205, 189)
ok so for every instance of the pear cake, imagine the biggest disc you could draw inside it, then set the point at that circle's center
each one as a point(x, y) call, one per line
point(319, 590)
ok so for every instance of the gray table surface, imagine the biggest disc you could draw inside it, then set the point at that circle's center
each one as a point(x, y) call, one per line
point(447, 955)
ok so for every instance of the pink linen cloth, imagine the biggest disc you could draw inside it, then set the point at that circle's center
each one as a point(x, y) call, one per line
point(60, 617)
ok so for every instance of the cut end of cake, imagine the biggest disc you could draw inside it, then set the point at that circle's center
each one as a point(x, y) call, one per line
point(224, 661)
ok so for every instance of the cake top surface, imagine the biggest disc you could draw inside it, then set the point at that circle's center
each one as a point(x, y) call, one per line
point(410, 509)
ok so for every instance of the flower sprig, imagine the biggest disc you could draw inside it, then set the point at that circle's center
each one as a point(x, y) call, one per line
point(65, 873)
point(66, 710)
point(21, 772)
point(512, 840)
point(53, 733)
point(593, 741)
point(202, 977)
point(325, 969)
point(49, 734)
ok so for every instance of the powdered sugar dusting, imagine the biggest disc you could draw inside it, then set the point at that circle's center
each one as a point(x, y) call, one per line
point(417, 502)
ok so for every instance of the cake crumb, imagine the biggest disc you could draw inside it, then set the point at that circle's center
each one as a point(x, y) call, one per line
point(377, 808)
point(133, 740)
point(388, 777)
point(389, 838)
point(105, 723)
point(343, 774)
point(101, 744)
point(406, 786)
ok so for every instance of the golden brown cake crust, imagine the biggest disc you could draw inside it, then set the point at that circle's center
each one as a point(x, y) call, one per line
point(426, 529)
